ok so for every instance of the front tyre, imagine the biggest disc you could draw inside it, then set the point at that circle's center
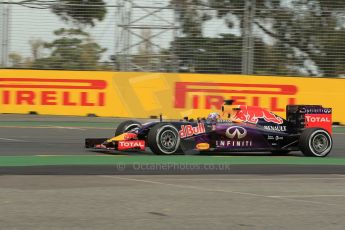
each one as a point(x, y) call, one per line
point(163, 139)
point(126, 126)
point(315, 142)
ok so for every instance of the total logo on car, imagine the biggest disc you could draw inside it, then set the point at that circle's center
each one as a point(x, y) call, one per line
point(124, 145)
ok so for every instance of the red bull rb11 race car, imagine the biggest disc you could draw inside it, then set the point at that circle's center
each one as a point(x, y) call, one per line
point(236, 128)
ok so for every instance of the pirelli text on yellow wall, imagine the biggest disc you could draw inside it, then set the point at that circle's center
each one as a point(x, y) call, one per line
point(175, 95)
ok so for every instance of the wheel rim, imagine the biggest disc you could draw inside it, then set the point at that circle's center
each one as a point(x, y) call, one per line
point(168, 140)
point(320, 144)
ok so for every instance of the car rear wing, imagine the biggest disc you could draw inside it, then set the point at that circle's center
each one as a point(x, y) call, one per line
point(307, 116)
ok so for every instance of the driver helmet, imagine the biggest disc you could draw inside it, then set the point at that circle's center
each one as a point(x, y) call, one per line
point(213, 116)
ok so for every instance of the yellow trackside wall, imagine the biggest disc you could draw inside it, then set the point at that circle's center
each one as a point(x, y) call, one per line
point(174, 95)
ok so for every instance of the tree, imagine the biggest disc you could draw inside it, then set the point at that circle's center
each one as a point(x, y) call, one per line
point(15, 59)
point(190, 17)
point(37, 46)
point(209, 55)
point(80, 12)
point(299, 32)
point(196, 53)
point(84, 12)
point(73, 49)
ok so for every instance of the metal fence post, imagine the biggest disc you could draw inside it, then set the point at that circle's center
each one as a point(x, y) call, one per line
point(248, 39)
point(5, 24)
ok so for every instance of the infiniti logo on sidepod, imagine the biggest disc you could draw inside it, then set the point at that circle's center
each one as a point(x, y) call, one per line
point(234, 131)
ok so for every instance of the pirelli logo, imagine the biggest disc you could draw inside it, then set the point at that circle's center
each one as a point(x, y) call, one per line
point(207, 95)
point(43, 91)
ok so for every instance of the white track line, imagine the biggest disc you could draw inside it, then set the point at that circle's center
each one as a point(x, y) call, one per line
point(182, 186)
point(14, 140)
point(254, 179)
point(63, 127)
point(54, 127)
point(307, 196)
point(223, 191)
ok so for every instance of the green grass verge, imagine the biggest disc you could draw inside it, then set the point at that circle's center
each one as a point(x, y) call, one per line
point(120, 159)
point(339, 129)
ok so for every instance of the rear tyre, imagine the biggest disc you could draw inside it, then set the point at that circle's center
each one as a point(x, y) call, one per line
point(126, 126)
point(163, 139)
point(315, 142)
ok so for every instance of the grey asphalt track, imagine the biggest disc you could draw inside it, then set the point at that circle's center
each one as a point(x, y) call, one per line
point(47, 141)
point(238, 202)
point(56, 140)
point(51, 135)
point(109, 201)
point(260, 169)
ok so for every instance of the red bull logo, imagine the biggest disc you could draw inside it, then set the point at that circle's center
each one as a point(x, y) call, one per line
point(188, 130)
point(253, 114)
point(129, 136)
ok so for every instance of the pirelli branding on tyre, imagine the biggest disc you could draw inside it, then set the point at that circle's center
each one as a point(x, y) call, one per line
point(142, 95)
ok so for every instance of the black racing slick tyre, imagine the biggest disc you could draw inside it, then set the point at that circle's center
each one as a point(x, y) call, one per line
point(315, 142)
point(125, 126)
point(163, 139)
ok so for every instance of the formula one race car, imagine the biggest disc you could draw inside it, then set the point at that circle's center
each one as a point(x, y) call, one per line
point(307, 128)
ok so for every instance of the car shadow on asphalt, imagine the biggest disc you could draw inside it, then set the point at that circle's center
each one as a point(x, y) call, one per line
point(149, 153)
